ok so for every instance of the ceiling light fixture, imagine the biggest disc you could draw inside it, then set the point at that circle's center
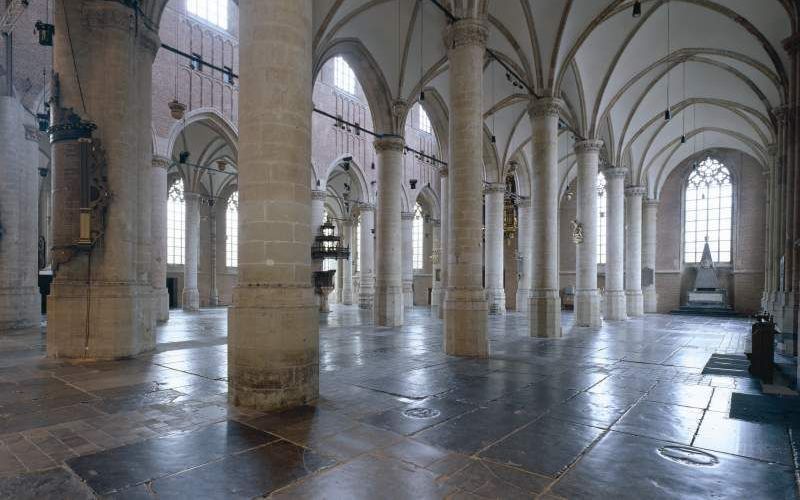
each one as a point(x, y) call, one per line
point(637, 9)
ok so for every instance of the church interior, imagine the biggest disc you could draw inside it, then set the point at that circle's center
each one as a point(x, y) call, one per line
point(399, 249)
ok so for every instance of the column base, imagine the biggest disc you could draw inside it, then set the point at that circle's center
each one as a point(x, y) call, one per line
point(436, 296)
point(190, 299)
point(496, 299)
point(524, 298)
point(544, 308)
point(635, 302)
point(465, 323)
point(161, 305)
point(615, 305)
point(119, 320)
point(388, 307)
point(273, 348)
point(20, 308)
point(213, 300)
point(347, 296)
point(324, 302)
point(408, 294)
point(587, 308)
point(650, 300)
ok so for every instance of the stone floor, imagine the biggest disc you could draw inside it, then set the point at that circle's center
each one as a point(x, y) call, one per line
point(620, 412)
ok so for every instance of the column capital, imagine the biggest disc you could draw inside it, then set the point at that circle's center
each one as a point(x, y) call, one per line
point(389, 143)
point(190, 195)
point(318, 195)
point(407, 215)
point(366, 207)
point(781, 113)
point(524, 202)
point(615, 172)
point(588, 146)
point(32, 133)
point(651, 203)
point(436, 222)
point(443, 172)
point(465, 33)
point(495, 187)
point(545, 106)
point(635, 191)
point(792, 44)
point(161, 162)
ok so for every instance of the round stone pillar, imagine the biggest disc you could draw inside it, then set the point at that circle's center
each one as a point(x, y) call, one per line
point(495, 293)
point(388, 306)
point(158, 226)
point(19, 203)
point(615, 307)
point(101, 300)
point(436, 261)
point(649, 247)
point(544, 307)
point(190, 298)
point(465, 306)
point(633, 252)
point(524, 254)
point(587, 299)
point(444, 236)
point(273, 325)
point(366, 255)
point(408, 258)
point(347, 264)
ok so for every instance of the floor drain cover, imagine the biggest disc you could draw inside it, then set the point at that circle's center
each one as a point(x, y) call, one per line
point(421, 413)
point(687, 455)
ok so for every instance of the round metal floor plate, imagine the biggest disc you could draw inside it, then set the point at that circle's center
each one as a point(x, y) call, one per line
point(688, 456)
point(421, 413)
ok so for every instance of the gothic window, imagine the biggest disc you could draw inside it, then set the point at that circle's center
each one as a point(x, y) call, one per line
point(418, 237)
point(602, 205)
point(343, 77)
point(176, 225)
point(708, 212)
point(232, 231)
point(357, 260)
point(213, 11)
point(424, 121)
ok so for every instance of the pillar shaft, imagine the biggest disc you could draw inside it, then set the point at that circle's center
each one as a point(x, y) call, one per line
point(444, 236)
point(191, 251)
point(158, 226)
point(465, 306)
point(347, 264)
point(544, 309)
point(495, 293)
point(649, 248)
point(633, 253)
point(408, 258)
point(524, 254)
point(19, 202)
point(388, 307)
point(436, 262)
point(587, 300)
point(366, 255)
point(273, 326)
point(110, 284)
point(615, 305)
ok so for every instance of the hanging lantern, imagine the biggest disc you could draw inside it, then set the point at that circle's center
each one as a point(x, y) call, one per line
point(667, 114)
point(637, 9)
point(683, 139)
point(177, 109)
point(222, 165)
point(45, 32)
point(43, 119)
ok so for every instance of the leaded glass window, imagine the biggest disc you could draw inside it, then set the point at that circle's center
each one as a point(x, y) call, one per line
point(602, 206)
point(176, 223)
point(232, 231)
point(418, 237)
point(708, 212)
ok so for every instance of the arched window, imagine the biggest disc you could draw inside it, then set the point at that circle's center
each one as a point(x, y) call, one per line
point(176, 213)
point(418, 237)
point(343, 77)
point(213, 11)
point(357, 260)
point(232, 231)
point(602, 205)
point(708, 212)
point(424, 121)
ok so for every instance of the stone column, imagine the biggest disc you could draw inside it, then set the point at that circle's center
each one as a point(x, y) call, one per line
point(524, 254)
point(191, 250)
point(465, 305)
point(544, 307)
point(615, 305)
point(366, 254)
point(436, 262)
point(408, 258)
point(101, 300)
point(495, 292)
point(158, 226)
point(587, 299)
point(649, 248)
point(444, 236)
point(388, 307)
point(317, 216)
point(213, 293)
point(347, 264)
point(633, 252)
point(273, 326)
point(19, 203)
